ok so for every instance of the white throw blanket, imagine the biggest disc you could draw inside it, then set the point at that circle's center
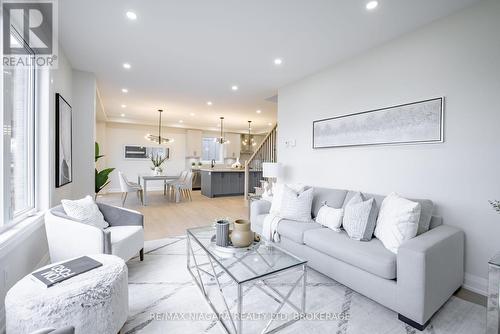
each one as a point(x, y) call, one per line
point(270, 227)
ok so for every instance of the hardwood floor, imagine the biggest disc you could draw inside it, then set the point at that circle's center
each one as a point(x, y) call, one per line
point(163, 218)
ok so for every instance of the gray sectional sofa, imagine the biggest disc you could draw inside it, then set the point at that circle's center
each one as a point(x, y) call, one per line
point(415, 283)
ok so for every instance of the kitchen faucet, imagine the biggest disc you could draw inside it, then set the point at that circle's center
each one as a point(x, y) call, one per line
point(213, 163)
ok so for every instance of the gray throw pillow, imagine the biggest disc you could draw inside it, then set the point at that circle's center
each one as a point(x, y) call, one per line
point(424, 223)
point(360, 217)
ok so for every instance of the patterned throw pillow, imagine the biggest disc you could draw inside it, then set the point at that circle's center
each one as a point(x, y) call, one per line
point(330, 217)
point(85, 210)
point(277, 198)
point(360, 217)
point(296, 205)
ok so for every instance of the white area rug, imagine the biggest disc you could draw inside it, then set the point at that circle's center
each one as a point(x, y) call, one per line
point(161, 287)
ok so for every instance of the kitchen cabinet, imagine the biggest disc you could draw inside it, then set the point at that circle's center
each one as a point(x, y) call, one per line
point(193, 143)
point(232, 150)
point(228, 182)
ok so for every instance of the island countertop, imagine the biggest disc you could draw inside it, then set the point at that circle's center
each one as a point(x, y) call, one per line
point(225, 170)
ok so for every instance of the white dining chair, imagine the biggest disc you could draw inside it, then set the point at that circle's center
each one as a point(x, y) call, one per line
point(169, 185)
point(184, 187)
point(127, 187)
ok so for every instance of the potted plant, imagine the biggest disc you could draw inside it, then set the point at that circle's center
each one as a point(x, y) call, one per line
point(157, 161)
point(495, 205)
point(200, 164)
point(101, 177)
point(193, 165)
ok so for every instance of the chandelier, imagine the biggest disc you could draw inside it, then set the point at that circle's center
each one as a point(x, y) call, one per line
point(159, 139)
point(250, 140)
point(221, 139)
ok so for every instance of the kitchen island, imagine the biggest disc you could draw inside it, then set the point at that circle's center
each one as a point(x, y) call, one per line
point(216, 182)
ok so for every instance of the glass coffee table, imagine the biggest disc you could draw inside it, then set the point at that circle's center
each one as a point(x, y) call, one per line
point(225, 279)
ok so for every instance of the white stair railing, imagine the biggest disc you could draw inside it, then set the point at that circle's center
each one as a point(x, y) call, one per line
point(265, 152)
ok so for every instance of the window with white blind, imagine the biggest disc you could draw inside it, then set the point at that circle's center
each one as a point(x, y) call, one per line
point(18, 149)
point(211, 150)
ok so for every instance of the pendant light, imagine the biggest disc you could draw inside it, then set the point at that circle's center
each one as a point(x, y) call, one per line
point(159, 139)
point(222, 139)
point(250, 140)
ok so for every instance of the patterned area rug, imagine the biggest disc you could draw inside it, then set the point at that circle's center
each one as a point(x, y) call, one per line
point(164, 299)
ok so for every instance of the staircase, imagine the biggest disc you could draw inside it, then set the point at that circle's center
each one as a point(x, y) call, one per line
point(265, 152)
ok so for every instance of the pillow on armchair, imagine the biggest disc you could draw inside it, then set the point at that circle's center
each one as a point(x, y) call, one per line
point(85, 210)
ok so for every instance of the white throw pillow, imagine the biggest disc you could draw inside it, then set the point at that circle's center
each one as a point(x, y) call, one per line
point(296, 206)
point(85, 210)
point(397, 221)
point(330, 217)
point(277, 198)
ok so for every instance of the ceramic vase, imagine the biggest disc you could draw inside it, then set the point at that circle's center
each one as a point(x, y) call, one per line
point(242, 235)
point(222, 233)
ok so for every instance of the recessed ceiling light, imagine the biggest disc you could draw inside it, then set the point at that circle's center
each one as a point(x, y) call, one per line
point(126, 66)
point(124, 106)
point(278, 61)
point(234, 87)
point(122, 115)
point(192, 114)
point(124, 90)
point(269, 124)
point(181, 121)
point(131, 15)
point(258, 111)
point(209, 103)
point(371, 5)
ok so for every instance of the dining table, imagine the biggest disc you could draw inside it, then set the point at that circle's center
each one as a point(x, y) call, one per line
point(143, 180)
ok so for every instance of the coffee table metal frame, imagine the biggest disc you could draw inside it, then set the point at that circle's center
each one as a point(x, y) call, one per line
point(199, 270)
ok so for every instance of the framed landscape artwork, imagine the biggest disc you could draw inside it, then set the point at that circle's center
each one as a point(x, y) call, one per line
point(134, 152)
point(417, 122)
point(64, 140)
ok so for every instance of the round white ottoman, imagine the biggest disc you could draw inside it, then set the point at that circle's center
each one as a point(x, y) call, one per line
point(92, 302)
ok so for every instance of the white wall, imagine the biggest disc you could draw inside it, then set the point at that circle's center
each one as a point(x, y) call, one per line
point(118, 135)
point(457, 57)
point(84, 104)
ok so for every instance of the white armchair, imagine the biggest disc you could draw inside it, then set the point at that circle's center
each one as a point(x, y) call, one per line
point(68, 237)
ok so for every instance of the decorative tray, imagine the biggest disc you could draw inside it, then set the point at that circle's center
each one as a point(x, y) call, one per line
point(234, 250)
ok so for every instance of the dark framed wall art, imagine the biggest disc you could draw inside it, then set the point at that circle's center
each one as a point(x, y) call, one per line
point(64, 142)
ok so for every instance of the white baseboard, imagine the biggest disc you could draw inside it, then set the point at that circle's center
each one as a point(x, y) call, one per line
point(476, 284)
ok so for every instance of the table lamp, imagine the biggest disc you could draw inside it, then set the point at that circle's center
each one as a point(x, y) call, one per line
point(271, 171)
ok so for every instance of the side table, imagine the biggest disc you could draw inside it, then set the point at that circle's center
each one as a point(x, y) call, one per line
point(492, 313)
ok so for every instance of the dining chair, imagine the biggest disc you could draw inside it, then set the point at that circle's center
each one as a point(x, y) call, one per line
point(127, 187)
point(184, 188)
point(169, 185)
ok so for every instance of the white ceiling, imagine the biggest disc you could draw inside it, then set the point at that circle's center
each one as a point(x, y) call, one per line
point(187, 52)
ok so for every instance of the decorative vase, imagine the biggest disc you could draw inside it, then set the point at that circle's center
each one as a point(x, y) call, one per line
point(157, 171)
point(242, 236)
point(237, 164)
point(222, 233)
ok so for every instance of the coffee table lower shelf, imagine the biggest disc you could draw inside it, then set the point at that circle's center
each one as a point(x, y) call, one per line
point(211, 270)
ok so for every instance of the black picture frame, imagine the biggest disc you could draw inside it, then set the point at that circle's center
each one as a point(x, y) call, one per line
point(438, 139)
point(63, 142)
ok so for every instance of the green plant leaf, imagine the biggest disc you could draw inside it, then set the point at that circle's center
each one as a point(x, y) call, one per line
point(102, 178)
